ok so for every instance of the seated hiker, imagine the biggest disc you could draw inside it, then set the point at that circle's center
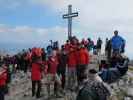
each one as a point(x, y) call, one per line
point(111, 75)
point(122, 66)
point(103, 65)
point(115, 59)
point(94, 88)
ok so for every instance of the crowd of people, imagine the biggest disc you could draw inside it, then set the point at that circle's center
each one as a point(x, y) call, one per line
point(65, 67)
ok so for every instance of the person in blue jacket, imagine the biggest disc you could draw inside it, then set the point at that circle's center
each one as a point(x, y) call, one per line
point(117, 42)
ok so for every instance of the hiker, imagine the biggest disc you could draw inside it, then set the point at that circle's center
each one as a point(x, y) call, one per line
point(36, 72)
point(95, 50)
point(93, 88)
point(106, 44)
point(115, 59)
point(117, 42)
point(119, 68)
point(67, 46)
point(43, 54)
point(99, 45)
point(52, 74)
point(49, 50)
point(62, 65)
point(82, 62)
point(90, 44)
point(29, 58)
point(108, 49)
point(103, 64)
point(72, 63)
point(3, 79)
point(25, 62)
point(55, 45)
point(84, 42)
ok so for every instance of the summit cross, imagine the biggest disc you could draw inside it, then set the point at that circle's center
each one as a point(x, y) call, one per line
point(69, 16)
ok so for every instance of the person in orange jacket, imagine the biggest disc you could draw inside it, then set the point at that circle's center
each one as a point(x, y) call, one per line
point(72, 63)
point(3, 79)
point(82, 62)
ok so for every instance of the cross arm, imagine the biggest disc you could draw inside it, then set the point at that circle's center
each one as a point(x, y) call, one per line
point(70, 15)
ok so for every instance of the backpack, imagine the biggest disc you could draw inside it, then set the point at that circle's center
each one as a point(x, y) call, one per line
point(93, 90)
point(86, 94)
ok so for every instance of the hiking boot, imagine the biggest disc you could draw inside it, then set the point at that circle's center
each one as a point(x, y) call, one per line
point(58, 95)
point(39, 96)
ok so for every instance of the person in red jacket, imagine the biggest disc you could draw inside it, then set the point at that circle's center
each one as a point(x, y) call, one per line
point(52, 74)
point(3, 79)
point(36, 76)
point(71, 68)
point(83, 61)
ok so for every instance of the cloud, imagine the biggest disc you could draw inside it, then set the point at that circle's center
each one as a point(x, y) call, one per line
point(26, 34)
point(13, 4)
point(94, 15)
point(98, 15)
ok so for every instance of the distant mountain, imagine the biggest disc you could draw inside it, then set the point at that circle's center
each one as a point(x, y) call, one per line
point(12, 48)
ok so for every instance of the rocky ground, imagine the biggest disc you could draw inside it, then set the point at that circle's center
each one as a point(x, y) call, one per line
point(20, 87)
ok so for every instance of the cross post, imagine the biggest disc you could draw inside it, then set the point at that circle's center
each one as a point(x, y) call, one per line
point(69, 16)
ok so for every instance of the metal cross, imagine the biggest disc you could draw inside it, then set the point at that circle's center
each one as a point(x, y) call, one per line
point(69, 16)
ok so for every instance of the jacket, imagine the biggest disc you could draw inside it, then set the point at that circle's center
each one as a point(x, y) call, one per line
point(117, 42)
point(52, 65)
point(82, 57)
point(3, 78)
point(72, 59)
point(36, 72)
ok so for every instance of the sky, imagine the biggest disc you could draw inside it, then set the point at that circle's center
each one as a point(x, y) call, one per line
point(29, 23)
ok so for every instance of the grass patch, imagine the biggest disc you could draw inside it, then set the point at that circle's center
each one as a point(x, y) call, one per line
point(130, 68)
point(120, 95)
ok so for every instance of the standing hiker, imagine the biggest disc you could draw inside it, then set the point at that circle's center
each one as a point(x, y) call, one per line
point(106, 42)
point(99, 45)
point(72, 63)
point(82, 61)
point(117, 42)
point(62, 65)
point(36, 74)
point(108, 49)
point(90, 44)
point(52, 74)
